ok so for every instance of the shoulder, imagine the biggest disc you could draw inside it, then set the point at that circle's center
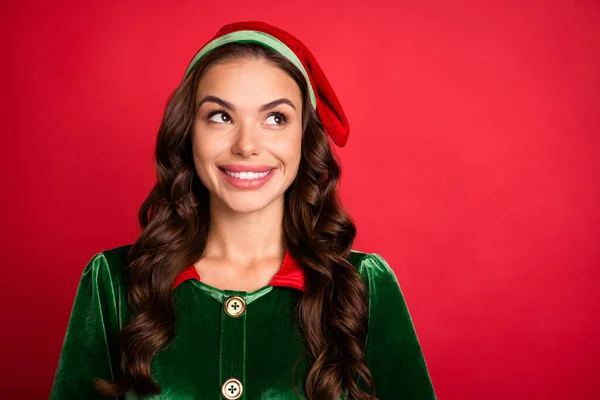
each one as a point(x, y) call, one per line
point(116, 258)
point(372, 267)
point(108, 266)
point(392, 350)
point(116, 255)
point(385, 295)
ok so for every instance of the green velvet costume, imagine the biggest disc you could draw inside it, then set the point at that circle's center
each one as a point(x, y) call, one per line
point(258, 347)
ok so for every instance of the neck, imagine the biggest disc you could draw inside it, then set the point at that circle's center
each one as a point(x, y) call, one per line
point(245, 237)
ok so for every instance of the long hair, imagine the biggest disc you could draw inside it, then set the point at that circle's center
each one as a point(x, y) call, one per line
point(332, 313)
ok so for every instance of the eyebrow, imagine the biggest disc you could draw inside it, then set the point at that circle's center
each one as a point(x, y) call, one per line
point(229, 106)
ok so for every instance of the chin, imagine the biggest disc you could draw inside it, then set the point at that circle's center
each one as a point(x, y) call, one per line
point(245, 207)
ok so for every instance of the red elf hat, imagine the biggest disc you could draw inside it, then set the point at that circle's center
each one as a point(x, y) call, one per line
point(322, 96)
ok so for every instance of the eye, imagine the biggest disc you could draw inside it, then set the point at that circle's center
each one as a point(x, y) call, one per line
point(224, 117)
point(279, 118)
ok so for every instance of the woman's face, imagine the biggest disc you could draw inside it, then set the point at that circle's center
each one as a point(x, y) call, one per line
point(247, 133)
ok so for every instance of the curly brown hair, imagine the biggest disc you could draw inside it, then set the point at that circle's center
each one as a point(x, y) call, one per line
point(333, 310)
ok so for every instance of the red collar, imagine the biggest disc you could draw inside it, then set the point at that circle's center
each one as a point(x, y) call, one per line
point(290, 274)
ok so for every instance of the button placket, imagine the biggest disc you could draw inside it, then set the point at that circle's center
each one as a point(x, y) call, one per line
point(232, 361)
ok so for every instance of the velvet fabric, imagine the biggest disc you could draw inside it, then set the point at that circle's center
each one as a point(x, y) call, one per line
point(259, 347)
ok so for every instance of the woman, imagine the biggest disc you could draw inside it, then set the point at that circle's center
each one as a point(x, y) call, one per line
point(243, 283)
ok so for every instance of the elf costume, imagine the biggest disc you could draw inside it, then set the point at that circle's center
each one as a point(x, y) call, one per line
point(233, 344)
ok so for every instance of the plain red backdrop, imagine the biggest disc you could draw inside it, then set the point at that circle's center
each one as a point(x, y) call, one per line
point(471, 167)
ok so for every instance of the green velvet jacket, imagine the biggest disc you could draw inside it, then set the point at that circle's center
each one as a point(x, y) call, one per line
point(233, 344)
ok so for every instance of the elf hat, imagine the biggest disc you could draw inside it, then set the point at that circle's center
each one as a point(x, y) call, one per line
point(322, 96)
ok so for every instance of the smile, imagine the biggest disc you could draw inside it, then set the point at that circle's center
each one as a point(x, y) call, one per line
point(247, 179)
point(247, 175)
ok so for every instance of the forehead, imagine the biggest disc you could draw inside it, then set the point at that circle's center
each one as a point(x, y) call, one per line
point(248, 82)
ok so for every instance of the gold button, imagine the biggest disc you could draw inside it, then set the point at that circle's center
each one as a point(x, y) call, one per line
point(232, 389)
point(234, 306)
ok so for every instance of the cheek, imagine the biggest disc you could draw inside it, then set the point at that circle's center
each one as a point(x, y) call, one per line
point(289, 153)
point(204, 152)
point(206, 146)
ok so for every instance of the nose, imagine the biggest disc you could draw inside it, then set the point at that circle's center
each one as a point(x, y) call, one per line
point(246, 141)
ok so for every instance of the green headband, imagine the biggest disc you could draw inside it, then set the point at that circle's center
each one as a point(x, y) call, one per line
point(262, 38)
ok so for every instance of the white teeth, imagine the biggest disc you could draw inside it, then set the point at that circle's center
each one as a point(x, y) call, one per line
point(247, 175)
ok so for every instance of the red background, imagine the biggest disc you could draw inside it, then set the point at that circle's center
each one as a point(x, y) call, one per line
point(471, 167)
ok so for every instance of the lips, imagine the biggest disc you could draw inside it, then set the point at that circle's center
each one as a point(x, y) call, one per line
point(238, 175)
point(246, 168)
